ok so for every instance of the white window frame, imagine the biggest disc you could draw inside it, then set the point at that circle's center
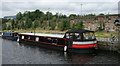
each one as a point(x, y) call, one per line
point(37, 39)
point(22, 37)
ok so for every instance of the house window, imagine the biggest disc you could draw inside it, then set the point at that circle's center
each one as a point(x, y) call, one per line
point(37, 39)
point(22, 37)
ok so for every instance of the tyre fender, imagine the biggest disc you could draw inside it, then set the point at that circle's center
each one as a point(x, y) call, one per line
point(65, 48)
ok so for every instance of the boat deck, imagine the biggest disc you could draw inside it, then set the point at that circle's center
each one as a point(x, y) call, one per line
point(42, 34)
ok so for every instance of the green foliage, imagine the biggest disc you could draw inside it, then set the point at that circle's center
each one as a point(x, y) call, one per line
point(89, 15)
point(101, 14)
point(28, 23)
point(72, 16)
point(4, 27)
point(19, 16)
point(41, 20)
point(78, 26)
point(67, 23)
point(52, 25)
point(64, 25)
point(4, 20)
point(54, 19)
point(13, 24)
point(22, 26)
point(16, 24)
point(73, 26)
point(102, 26)
point(24, 21)
point(9, 27)
point(36, 24)
point(49, 15)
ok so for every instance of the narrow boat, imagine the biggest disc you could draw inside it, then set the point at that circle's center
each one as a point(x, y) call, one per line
point(79, 41)
point(10, 35)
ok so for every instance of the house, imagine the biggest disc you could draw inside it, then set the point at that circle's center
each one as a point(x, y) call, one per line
point(9, 17)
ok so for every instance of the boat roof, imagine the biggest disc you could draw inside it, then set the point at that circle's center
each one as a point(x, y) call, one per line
point(78, 31)
point(42, 34)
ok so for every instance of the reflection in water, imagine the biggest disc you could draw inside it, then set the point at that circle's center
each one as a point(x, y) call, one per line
point(78, 58)
point(18, 53)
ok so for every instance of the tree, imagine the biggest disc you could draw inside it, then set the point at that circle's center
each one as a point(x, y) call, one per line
point(36, 24)
point(13, 24)
point(73, 27)
point(4, 27)
point(19, 16)
point(79, 26)
point(28, 23)
point(52, 25)
point(67, 22)
point(103, 26)
point(49, 15)
point(89, 15)
point(9, 27)
point(64, 25)
point(101, 14)
point(4, 20)
point(38, 14)
point(72, 15)
point(16, 24)
point(22, 25)
point(54, 19)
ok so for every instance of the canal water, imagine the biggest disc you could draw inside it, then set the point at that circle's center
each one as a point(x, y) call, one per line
point(15, 53)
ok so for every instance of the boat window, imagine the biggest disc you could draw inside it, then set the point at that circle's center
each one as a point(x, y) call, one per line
point(37, 39)
point(32, 38)
point(88, 35)
point(71, 35)
point(22, 37)
point(26, 37)
point(49, 40)
point(61, 42)
point(43, 39)
point(67, 35)
point(75, 36)
point(54, 41)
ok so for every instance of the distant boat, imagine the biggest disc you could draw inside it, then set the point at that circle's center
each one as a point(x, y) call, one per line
point(79, 41)
point(10, 35)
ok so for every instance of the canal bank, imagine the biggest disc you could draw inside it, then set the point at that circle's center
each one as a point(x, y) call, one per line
point(109, 46)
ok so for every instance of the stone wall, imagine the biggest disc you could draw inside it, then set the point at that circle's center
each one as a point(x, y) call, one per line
point(102, 45)
point(91, 23)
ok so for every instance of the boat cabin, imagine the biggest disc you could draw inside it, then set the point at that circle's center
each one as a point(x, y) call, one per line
point(80, 35)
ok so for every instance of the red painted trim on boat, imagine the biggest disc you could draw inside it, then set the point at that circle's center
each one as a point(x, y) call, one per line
point(42, 42)
point(83, 46)
point(96, 45)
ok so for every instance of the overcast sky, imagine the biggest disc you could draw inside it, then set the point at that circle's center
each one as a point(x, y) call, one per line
point(12, 7)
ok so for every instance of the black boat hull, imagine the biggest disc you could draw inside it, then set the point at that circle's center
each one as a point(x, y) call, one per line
point(10, 38)
point(61, 48)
